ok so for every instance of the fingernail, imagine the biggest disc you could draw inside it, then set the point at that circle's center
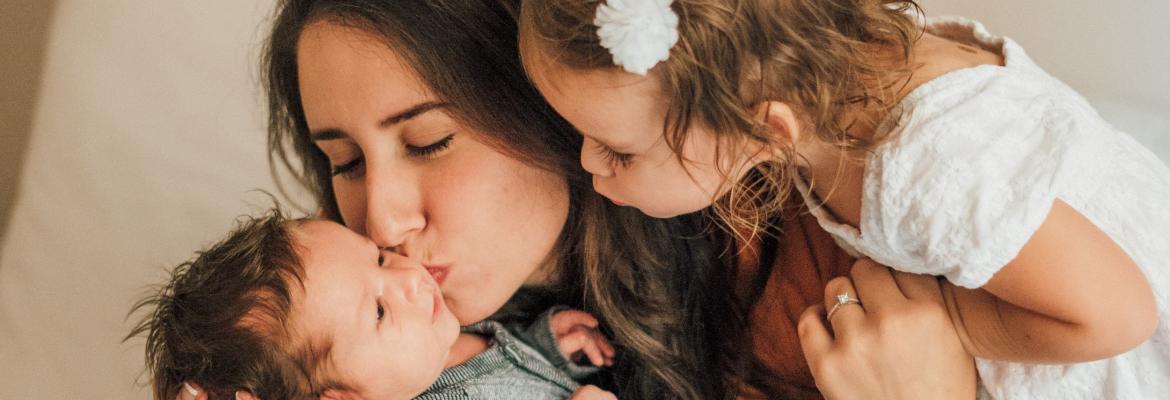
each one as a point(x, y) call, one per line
point(190, 390)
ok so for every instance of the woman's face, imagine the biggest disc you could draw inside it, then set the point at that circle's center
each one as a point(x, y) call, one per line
point(414, 179)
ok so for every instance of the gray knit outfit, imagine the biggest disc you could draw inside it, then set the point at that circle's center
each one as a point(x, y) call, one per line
point(510, 368)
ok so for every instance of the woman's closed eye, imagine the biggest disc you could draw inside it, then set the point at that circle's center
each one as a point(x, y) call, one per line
point(381, 310)
point(348, 169)
point(353, 168)
point(430, 149)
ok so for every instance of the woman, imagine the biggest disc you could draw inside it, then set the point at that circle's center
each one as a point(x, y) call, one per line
point(415, 126)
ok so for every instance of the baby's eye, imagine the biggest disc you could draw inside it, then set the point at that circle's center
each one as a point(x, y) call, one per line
point(381, 312)
point(381, 259)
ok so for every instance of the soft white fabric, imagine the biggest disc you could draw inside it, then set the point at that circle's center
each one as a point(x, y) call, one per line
point(977, 159)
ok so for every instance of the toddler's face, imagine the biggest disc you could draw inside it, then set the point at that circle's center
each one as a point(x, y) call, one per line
point(390, 330)
point(622, 117)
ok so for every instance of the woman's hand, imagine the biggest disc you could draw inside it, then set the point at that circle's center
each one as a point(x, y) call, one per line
point(898, 343)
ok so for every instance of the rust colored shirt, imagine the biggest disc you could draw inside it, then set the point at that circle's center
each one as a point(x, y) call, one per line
point(806, 258)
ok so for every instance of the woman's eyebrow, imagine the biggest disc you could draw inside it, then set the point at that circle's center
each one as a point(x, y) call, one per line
point(394, 119)
point(327, 134)
point(414, 111)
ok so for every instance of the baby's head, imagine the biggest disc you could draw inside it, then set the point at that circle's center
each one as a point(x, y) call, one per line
point(739, 86)
point(292, 309)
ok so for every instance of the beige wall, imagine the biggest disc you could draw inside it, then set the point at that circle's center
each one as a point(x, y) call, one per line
point(147, 141)
point(23, 35)
point(1117, 54)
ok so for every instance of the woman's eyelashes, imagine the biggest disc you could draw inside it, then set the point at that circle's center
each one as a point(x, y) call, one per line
point(348, 169)
point(430, 149)
point(353, 168)
point(381, 310)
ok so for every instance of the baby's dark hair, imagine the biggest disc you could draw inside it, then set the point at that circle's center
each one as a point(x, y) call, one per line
point(223, 323)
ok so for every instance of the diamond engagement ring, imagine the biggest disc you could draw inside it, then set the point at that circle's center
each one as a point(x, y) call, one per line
point(842, 299)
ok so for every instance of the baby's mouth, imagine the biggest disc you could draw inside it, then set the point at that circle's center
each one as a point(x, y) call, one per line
point(438, 272)
point(438, 306)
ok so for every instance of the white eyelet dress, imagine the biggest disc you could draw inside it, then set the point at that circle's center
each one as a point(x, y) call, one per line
point(977, 159)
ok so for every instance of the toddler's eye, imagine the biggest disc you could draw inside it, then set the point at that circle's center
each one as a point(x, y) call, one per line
point(615, 159)
point(381, 312)
point(381, 259)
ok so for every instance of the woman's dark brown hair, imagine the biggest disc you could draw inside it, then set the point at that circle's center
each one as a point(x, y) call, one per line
point(662, 295)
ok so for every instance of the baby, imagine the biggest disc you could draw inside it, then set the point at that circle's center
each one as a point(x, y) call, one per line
point(291, 309)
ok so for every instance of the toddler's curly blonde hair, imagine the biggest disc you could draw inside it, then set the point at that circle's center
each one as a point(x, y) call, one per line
point(820, 57)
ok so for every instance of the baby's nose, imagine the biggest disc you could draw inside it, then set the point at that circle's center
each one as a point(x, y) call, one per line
point(406, 274)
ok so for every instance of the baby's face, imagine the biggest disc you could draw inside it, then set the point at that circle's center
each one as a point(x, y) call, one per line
point(390, 330)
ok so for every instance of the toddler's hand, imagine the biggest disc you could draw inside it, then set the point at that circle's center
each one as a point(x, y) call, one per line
point(577, 337)
point(590, 392)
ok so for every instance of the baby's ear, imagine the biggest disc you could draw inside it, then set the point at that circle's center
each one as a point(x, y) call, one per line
point(780, 119)
point(245, 395)
point(333, 394)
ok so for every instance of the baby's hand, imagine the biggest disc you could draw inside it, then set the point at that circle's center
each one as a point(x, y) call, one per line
point(590, 392)
point(577, 337)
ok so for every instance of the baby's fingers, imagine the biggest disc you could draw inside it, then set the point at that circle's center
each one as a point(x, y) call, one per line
point(566, 320)
point(602, 352)
point(588, 342)
point(573, 342)
point(590, 392)
point(606, 348)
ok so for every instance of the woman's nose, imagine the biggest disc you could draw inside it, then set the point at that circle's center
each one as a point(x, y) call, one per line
point(393, 206)
point(592, 159)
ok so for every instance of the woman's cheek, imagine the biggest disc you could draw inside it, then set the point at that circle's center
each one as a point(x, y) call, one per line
point(351, 203)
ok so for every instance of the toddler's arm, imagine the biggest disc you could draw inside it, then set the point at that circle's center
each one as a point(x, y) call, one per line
point(1071, 295)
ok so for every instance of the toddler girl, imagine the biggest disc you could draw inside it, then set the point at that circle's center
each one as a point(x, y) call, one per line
point(308, 309)
point(930, 146)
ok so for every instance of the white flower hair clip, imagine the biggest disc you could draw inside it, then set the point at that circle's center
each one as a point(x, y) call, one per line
point(639, 33)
